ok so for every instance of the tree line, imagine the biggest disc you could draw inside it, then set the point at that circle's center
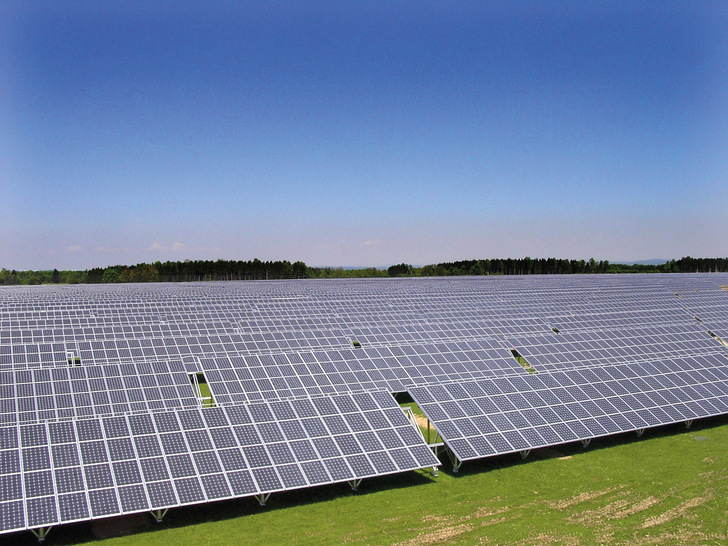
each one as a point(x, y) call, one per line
point(556, 266)
point(199, 270)
point(228, 270)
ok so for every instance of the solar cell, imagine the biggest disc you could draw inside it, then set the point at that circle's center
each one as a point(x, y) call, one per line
point(161, 495)
point(73, 507)
point(104, 502)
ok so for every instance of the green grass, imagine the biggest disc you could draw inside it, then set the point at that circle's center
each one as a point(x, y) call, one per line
point(207, 400)
point(523, 362)
point(204, 390)
point(668, 487)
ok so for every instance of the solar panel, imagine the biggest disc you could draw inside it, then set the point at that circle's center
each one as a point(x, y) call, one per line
point(476, 423)
point(97, 469)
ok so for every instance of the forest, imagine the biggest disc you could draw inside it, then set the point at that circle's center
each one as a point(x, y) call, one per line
point(229, 270)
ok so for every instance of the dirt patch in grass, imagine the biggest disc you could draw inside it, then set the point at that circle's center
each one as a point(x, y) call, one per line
point(543, 538)
point(583, 497)
point(680, 511)
point(713, 476)
point(421, 421)
point(443, 534)
point(493, 521)
point(619, 509)
point(684, 535)
point(484, 512)
point(446, 531)
point(605, 512)
point(435, 517)
point(638, 507)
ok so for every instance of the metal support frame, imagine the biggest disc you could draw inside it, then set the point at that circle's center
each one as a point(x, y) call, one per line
point(41, 533)
point(640, 432)
point(262, 499)
point(688, 423)
point(455, 462)
point(72, 359)
point(525, 453)
point(196, 388)
point(585, 443)
point(159, 514)
point(436, 445)
point(411, 416)
point(354, 484)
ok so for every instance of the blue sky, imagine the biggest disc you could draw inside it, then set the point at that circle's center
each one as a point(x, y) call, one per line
point(361, 133)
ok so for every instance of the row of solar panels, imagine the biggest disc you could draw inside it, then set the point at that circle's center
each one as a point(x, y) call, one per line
point(83, 390)
point(65, 471)
point(335, 315)
point(146, 348)
point(495, 416)
point(100, 389)
point(67, 392)
point(153, 347)
point(150, 306)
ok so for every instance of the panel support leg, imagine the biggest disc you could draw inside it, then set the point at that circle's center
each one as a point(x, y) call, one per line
point(158, 515)
point(525, 453)
point(455, 463)
point(354, 484)
point(41, 533)
point(640, 432)
point(434, 471)
point(262, 499)
point(585, 443)
point(437, 445)
point(688, 423)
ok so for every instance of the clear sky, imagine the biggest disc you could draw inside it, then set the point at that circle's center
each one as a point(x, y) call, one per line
point(361, 133)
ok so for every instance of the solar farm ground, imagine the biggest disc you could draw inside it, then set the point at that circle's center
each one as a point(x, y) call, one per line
point(668, 487)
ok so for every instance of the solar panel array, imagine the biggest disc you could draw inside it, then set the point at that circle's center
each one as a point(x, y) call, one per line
point(68, 392)
point(604, 347)
point(71, 470)
point(393, 369)
point(504, 415)
point(101, 412)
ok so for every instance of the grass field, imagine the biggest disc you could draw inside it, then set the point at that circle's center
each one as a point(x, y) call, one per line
point(668, 487)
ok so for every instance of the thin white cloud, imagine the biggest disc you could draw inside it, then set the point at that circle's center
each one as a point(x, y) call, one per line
point(159, 247)
point(371, 243)
point(74, 248)
point(103, 249)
